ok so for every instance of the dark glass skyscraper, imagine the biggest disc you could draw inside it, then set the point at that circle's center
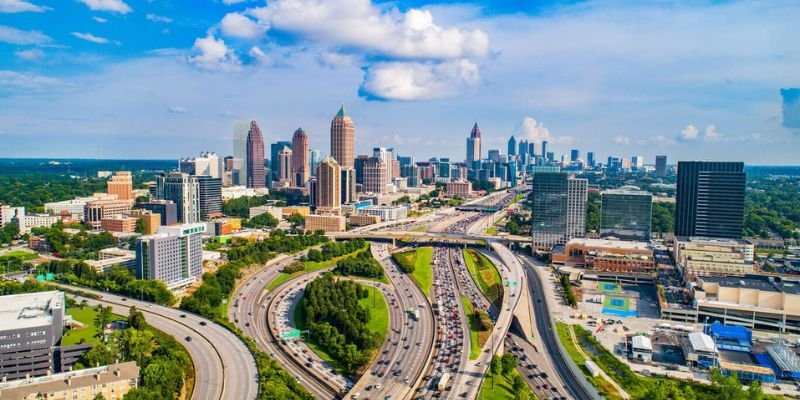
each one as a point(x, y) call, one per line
point(256, 172)
point(559, 209)
point(210, 197)
point(512, 146)
point(661, 165)
point(626, 213)
point(710, 199)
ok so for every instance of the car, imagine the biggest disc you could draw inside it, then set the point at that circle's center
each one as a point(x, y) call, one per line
point(378, 386)
point(203, 323)
point(124, 299)
point(183, 315)
point(247, 324)
point(188, 338)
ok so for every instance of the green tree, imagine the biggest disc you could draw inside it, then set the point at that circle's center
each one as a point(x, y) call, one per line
point(99, 354)
point(142, 393)
point(508, 363)
point(102, 318)
point(99, 396)
point(495, 367)
point(136, 319)
point(140, 226)
point(296, 220)
point(136, 345)
point(518, 387)
point(165, 375)
point(593, 212)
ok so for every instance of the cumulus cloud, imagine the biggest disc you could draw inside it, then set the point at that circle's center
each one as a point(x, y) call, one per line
point(100, 20)
point(657, 140)
point(212, 54)
point(30, 55)
point(360, 24)
point(240, 26)
point(620, 139)
point(13, 35)
point(791, 107)
point(710, 134)
point(177, 110)
point(158, 18)
point(15, 79)
point(259, 56)
point(418, 80)
point(337, 60)
point(90, 38)
point(16, 6)
point(117, 6)
point(535, 131)
point(689, 134)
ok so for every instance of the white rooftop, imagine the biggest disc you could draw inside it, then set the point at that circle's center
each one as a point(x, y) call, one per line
point(641, 342)
point(29, 309)
point(702, 342)
point(612, 244)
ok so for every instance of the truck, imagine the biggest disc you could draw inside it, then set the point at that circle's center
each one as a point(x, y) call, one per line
point(413, 313)
point(442, 385)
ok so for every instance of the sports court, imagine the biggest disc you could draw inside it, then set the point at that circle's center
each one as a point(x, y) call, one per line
point(619, 306)
point(609, 287)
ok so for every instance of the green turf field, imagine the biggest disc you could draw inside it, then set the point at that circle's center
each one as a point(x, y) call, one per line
point(617, 303)
point(609, 287)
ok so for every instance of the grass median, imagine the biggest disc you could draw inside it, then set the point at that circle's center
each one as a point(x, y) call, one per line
point(419, 263)
point(310, 266)
point(502, 388)
point(485, 274)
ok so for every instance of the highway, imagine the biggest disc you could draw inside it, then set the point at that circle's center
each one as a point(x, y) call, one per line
point(229, 374)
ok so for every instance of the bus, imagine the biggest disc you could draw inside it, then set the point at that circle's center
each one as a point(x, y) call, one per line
point(442, 385)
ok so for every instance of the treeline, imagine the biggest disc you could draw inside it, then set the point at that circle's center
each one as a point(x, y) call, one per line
point(218, 286)
point(82, 245)
point(517, 225)
point(569, 296)
point(14, 287)
point(265, 220)
point(33, 190)
point(240, 207)
point(332, 250)
point(361, 264)
point(337, 322)
point(118, 280)
point(663, 217)
point(773, 206)
point(406, 260)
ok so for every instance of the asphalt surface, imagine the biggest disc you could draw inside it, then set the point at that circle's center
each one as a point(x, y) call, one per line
point(229, 374)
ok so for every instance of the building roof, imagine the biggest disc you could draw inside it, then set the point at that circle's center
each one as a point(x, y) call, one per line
point(730, 332)
point(760, 282)
point(612, 243)
point(21, 388)
point(702, 342)
point(755, 369)
point(641, 342)
point(711, 241)
point(784, 358)
point(341, 113)
point(30, 309)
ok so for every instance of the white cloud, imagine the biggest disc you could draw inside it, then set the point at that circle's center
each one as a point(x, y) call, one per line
point(259, 56)
point(240, 26)
point(360, 24)
point(117, 6)
point(689, 134)
point(13, 35)
point(337, 60)
point(15, 79)
point(15, 6)
point(158, 18)
point(30, 55)
point(535, 131)
point(418, 81)
point(212, 54)
point(710, 134)
point(100, 20)
point(657, 140)
point(90, 38)
point(177, 110)
point(620, 139)
point(229, 2)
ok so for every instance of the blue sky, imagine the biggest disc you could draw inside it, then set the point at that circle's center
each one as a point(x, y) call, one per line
point(166, 78)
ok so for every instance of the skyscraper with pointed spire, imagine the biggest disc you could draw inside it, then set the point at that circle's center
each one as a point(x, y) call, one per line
point(343, 133)
point(474, 145)
point(256, 172)
point(300, 158)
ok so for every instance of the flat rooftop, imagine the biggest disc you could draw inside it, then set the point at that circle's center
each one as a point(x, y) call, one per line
point(21, 388)
point(710, 241)
point(29, 309)
point(760, 282)
point(612, 244)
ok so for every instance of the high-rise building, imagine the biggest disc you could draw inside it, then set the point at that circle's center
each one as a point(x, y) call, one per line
point(274, 161)
point(474, 145)
point(329, 187)
point(637, 162)
point(300, 158)
point(494, 155)
point(285, 166)
point(210, 191)
point(544, 150)
point(348, 185)
point(386, 156)
point(228, 163)
point(343, 132)
point(512, 146)
point(206, 164)
point(626, 213)
point(315, 156)
point(359, 167)
point(33, 324)
point(531, 149)
point(166, 209)
point(661, 165)
point(184, 191)
point(95, 211)
point(240, 129)
point(574, 155)
point(174, 255)
point(590, 159)
point(710, 199)
point(121, 184)
point(559, 209)
point(551, 156)
point(256, 172)
point(522, 150)
point(375, 175)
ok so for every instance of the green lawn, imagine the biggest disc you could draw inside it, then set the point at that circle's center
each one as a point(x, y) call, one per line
point(502, 388)
point(485, 274)
point(378, 311)
point(423, 272)
point(21, 254)
point(311, 266)
point(474, 342)
point(86, 317)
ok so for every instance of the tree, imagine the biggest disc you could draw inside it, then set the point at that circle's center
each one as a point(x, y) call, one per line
point(103, 318)
point(136, 344)
point(265, 220)
point(165, 375)
point(517, 386)
point(296, 220)
point(728, 387)
point(9, 232)
point(140, 225)
point(494, 367)
point(99, 396)
point(508, 363)
point(665, 389)
point(99, 354)
point(136, 319)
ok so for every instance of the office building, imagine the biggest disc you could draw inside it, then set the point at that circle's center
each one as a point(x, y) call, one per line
point(285, 176)
point(386, 156)
point(167, 211)
point(228, 163)
point(329, 187)
point(661, 165)
point(626, 213)
point(97, 210)
point(474, 145)
point(348, 185)
point(16, 215)
point(110, 382)
point(210, 197)
point(574, 154)
point(240, 129)
point(206, 164)
point(184, 191)
point(544, 150)
point(121, 185)
point(274, 159)
point(522, 151)
point(343, 132)
point(31, 326)
point(119, 223)
point(386, 213)
point(327, 223)
point(375, 176)
point(703, 256)
point(256, 171)
point(605, 255)
point(461, 189)
point(150, 221)
point(512, 146)
point(637, 162)
point(301, 165)
point(590, 159)
point(559, 209)
point(710, 199)
point(38, 220)
point(494, 155)
point(174, 255)
point(359, 162)
point(315, 156)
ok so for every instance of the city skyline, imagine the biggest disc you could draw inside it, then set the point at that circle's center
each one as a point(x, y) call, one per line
point(112, 94)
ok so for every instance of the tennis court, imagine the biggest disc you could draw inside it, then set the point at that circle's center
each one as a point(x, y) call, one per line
point(609, 287)
point(619, 306)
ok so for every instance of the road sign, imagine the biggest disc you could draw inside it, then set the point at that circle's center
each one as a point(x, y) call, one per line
point(290, 334)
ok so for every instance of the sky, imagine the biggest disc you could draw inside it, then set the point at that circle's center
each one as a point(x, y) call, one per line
point(716, 80)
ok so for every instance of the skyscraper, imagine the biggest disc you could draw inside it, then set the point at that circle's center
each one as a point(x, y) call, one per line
point(494, 155)
point(590, 159)
point(300, 158)
point(386, 156)
point(343, 133)
point(522, 150)
point(206, 164)
point(315, 157)
point(183, 190)
point(710, 199)
point(532, 149)
point(574, 155)
point(512, 146)
point(544, 149)
point(240, 129)
point(285, 166)
point(626, 213)
point(274, 165)
point(559, 209)
point(661, 165)
point(348, 185)
point(375, 171)
point(121, 184)
point(474, 145)
point(210, 196)
point(637, 162)
point(174, 255)
point(256, 172)
point(329, 194)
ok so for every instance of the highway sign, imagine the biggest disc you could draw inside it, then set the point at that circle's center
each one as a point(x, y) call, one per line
point(290, 334)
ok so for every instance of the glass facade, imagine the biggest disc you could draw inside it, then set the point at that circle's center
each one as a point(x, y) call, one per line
point(626, 214)
point(710, 199)
point(549, 224)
